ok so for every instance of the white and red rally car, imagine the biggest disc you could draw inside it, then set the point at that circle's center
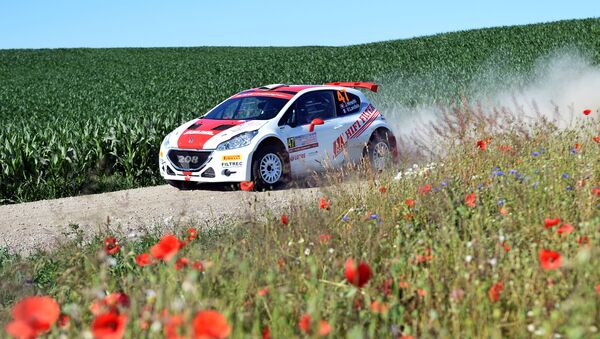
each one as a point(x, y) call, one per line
point(271, 134)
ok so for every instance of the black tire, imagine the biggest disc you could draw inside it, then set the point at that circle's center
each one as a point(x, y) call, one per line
point(379, 152)
point(182, 185)
point(266, 156)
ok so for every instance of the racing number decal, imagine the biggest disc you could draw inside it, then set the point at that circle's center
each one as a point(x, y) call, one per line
point(291, 142)
point(343, 95)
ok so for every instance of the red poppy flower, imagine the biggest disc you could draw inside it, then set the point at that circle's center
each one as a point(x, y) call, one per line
point(503, 211)
point(470, 199)
point(583, 240)
point(143, 259)
point(324, 328)
point(324, 238)
point(587, 111)
point(421, 292)
point(210, 324)
point(410, 203)
point(246, 185)
point(172, 325)
point(64, 320)
point(407, 337)
point(577, 147)
point(109, 325)
point(403, 284)
point(482, 145)
point(382, 189)
point(596, 139)
point(197, 265)
point(598, 288)
point(550, 260)
point(263, 291)
point(181, 263)
point(305, 326)
point(284, 219)
point(266, 333)
point(117, 299)
point(596, 191)
point(110, 303)
point(425, 189)
point(494, 292)
point(192, 234)
point(111, 245)
point(386, 286)
point(549, 223)
point(324, 204)
point(422, 258)
point(304, 323)
point(565, 229)
point(166, 248)
point(33, 316)
point(379, 307)
point(357, 276)
point(505, 246)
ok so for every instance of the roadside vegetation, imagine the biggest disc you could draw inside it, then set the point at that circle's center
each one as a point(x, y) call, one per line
point(77, 121)
point(499, 238)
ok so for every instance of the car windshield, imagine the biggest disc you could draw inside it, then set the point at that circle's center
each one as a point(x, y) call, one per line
point(247, 108)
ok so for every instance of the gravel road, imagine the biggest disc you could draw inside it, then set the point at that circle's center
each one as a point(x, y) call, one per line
point(41, 224)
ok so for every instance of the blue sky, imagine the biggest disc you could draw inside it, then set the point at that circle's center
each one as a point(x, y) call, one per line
point(153, 23)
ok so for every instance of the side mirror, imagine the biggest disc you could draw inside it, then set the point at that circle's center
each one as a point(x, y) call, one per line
point(315, 122)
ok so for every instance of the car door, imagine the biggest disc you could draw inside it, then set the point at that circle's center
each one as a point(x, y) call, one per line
point(311, 151)
point(350, 137)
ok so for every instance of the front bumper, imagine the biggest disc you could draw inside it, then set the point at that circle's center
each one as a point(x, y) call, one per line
point(219, 166)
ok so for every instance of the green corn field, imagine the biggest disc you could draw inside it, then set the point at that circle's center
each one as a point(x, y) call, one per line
point(77, 121)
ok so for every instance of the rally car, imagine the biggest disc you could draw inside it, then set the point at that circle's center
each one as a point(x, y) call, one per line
point(272, 134)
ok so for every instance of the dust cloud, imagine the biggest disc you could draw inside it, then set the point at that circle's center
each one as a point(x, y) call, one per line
point(558, 87)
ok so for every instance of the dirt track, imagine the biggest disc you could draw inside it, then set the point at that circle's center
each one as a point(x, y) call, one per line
point(25, 227)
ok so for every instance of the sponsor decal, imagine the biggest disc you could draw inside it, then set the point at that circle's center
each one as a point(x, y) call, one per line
point(365, 119)
point(232, 164)
point(302, 142)
point(231, 161)
point(299, 156)
point(234, 157)
point(348, 107)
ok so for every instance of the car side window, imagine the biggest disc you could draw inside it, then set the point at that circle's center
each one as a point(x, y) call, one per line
point(346, 103)
point(313, 105)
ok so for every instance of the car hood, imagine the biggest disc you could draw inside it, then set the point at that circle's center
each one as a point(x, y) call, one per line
point(208, 133)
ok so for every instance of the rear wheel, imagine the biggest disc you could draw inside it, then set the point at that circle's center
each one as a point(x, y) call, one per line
point(380, 152)
point(270, 167)
point(182, 185)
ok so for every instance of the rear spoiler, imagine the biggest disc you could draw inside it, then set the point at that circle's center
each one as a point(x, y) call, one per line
point(368, 85)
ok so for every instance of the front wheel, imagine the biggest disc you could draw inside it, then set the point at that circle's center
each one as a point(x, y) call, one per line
point(270, 168)
point(380, 152)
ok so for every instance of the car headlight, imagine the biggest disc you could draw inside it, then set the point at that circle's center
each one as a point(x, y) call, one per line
point(240, 140)
point(166, 143)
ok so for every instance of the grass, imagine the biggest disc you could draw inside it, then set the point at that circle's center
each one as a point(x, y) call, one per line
point(78, 121)
point(447, 295)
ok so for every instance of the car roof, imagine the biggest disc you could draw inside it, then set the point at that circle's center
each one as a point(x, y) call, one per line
point(279, 90)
